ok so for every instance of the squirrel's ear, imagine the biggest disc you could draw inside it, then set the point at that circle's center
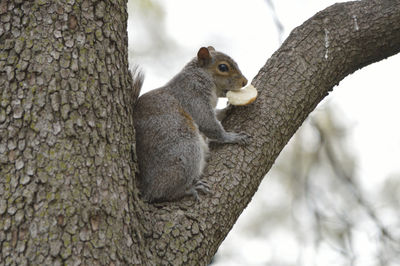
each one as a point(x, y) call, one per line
point(210, 48)
point(203, 56)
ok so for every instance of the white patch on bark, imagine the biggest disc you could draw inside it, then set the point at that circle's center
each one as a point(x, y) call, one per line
point(326, 43)
point(355, 22)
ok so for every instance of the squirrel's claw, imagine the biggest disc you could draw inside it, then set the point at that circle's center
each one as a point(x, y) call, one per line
point(199, 186)
point(202, 187)
point(244, 138)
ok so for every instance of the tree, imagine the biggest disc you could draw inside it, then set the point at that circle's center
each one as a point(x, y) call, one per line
point(67, 161)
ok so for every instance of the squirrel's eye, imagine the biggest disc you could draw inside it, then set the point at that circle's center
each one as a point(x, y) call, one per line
point(223, 68)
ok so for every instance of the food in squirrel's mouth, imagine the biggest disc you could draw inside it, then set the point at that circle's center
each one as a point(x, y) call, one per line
point(245, 96)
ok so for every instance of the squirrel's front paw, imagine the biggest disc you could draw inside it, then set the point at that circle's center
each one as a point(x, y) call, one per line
point(240, 138)
point(244, 138)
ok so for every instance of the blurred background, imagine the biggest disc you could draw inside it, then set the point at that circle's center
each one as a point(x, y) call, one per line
point(333, 195)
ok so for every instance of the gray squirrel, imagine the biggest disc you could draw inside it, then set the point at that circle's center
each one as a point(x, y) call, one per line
point(174, 123)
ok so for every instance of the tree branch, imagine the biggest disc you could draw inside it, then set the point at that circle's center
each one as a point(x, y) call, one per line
point(315, 57)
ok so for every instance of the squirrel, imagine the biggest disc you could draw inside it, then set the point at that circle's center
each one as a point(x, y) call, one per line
point(174, 123)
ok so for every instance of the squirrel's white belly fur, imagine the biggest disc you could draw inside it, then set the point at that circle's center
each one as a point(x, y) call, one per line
point(204, 150)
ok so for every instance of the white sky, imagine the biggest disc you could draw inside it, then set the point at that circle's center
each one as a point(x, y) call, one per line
point(368, 99)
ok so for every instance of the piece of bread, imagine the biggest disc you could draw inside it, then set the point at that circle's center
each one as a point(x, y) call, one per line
point(245, 96)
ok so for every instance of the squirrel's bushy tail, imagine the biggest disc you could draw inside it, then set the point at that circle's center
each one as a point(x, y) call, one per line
point(138, 78)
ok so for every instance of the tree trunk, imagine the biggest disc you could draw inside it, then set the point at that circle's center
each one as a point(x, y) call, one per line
point(67, 187)
point(67, 169)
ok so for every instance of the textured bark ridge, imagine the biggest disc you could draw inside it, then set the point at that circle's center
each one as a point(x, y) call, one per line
point(67, 186)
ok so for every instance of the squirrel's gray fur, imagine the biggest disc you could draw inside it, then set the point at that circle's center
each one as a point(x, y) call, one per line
point(174, 122)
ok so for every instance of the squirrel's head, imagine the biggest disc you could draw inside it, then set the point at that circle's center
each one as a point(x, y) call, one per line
point(223, 69)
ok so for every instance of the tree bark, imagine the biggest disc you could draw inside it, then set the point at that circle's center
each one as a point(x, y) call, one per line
point(67, 171)
point(67, 192)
